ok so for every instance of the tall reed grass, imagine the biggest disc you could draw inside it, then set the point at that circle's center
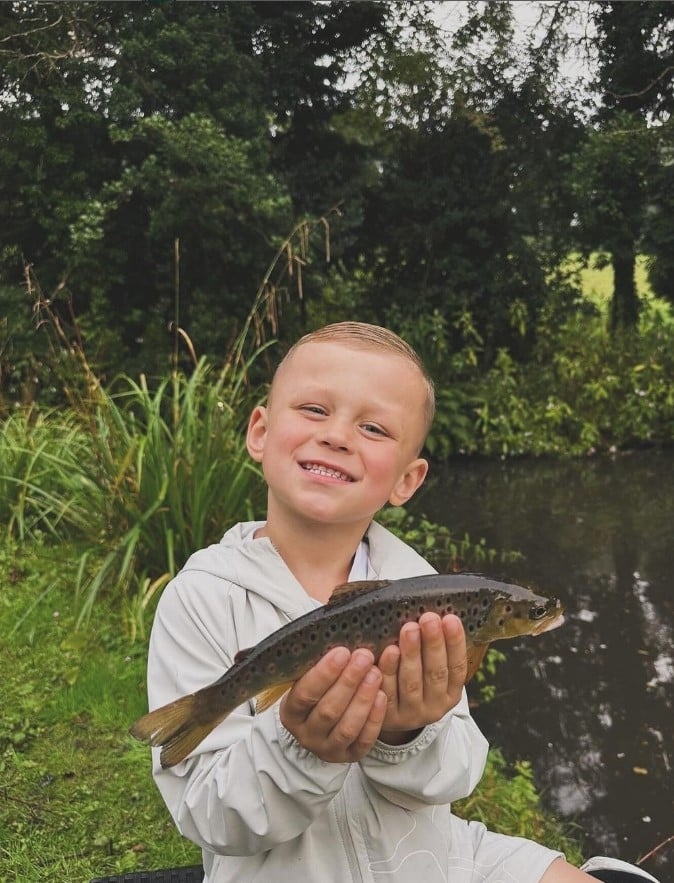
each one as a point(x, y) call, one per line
point(40, 490)
point(174, 474)
point(136, 476)
point(141, 478)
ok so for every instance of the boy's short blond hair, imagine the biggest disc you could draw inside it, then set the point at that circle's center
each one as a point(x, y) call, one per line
point(372, 337)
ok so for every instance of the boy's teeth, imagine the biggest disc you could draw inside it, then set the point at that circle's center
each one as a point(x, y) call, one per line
point(325, 470)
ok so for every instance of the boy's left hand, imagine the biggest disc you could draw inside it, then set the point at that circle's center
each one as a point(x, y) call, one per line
point(423, 675)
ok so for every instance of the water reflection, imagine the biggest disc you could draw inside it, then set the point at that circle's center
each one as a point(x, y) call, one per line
point(592, 703)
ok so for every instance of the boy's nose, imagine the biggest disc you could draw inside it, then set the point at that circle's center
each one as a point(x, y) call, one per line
point(336, 437)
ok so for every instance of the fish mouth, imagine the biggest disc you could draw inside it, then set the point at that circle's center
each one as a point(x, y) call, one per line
point(549, 624)
point(326, 471)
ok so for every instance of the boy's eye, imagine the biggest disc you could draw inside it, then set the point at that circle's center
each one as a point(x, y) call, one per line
point(312, 409)
point(374, 429)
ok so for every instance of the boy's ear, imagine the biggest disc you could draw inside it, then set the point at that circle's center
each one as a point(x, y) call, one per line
point(410, 481)
point(257, 433)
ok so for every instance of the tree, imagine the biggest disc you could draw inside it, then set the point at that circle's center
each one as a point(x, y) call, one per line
point(129, 127)
point(470, 210)
point(635, 53)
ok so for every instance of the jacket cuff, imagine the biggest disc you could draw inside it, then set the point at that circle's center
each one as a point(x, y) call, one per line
point(399, 753)
point(310, 764)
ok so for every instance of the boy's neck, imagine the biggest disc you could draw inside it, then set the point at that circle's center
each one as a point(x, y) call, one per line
point(319, 558)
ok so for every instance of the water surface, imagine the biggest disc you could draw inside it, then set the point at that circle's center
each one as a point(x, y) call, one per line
point(592, 703)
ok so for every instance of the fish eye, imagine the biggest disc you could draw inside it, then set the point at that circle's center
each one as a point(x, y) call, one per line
point(538, 612)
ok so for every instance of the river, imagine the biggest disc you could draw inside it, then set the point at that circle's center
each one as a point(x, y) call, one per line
point(590, 704)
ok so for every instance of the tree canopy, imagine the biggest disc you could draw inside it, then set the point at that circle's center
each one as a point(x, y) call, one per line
point(154, 156)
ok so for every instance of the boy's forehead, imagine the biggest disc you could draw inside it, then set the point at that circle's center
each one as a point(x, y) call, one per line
point(308, 359)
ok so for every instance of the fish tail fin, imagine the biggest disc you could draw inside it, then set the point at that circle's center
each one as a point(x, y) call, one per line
point(179, 726)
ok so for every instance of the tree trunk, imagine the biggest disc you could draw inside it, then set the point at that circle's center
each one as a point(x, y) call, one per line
point(625, 304)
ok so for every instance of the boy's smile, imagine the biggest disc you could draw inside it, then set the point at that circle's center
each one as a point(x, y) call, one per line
point(326, 471)
point(340, 435)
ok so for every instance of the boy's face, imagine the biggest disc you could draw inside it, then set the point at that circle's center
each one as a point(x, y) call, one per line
point(340, 435)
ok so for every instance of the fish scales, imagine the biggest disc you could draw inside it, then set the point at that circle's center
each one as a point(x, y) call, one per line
point(366, 614)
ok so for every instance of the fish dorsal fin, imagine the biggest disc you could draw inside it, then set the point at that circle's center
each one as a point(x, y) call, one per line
point(360, 587)
point(241, 654)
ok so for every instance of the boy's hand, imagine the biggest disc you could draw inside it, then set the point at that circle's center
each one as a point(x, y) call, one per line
point(337, 708)
point(423, 675)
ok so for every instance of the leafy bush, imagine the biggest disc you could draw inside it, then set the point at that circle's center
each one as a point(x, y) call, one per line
point(507, 801)
point(584, 391)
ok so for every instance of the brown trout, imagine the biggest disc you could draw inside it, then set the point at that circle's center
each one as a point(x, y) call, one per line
point(359, 614)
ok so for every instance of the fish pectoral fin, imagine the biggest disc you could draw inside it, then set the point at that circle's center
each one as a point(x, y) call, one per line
point(476, 654)
point(267, 698)
point(360, 587)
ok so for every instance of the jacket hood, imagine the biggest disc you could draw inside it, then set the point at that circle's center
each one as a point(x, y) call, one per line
point(256, 566)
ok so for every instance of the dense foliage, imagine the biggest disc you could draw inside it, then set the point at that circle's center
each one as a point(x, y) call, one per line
point(154, 156)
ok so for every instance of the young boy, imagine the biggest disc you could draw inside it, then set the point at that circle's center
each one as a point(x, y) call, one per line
point(350, 776)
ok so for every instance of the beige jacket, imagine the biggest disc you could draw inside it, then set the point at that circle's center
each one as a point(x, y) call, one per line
point(263, 808)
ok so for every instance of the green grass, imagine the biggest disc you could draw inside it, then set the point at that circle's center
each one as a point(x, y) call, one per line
point(77, 799)
point(597, 281)
point(76, 796)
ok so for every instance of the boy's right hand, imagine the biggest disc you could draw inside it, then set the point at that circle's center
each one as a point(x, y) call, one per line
point(337, 708)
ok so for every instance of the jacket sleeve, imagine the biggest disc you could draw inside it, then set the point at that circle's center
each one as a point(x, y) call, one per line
point(249, 785)
point(444, 763)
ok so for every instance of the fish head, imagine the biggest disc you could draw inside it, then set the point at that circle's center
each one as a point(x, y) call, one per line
point(524, 613)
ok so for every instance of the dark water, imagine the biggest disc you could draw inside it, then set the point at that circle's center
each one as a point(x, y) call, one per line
point(592, 703)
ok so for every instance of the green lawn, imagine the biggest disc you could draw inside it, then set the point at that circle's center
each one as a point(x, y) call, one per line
point(76, 797)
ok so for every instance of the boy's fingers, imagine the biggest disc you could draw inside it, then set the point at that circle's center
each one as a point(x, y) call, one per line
point(372, 727)
point(410, 670)
point(337, 698)
point(388, 664)
point(434, 655)
point(308, 691)
point(346, 731)
point(457, 653)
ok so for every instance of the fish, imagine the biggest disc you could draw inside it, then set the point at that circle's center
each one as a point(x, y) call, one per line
point(358, 614)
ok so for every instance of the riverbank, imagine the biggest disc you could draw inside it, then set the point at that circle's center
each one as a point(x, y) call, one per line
point(77, 796)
